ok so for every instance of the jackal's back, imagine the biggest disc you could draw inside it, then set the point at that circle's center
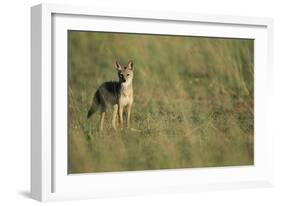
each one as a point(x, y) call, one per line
point(108, 93)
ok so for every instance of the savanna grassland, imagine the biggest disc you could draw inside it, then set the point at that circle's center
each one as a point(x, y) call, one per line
point(193, 102)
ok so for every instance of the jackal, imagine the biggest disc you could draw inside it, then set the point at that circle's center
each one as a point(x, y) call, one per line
point(118, 94)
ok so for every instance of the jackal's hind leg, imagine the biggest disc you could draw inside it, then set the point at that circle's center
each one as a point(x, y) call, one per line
point(102, 120)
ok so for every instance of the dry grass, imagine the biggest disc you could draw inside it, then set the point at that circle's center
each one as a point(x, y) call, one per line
point(193, 102)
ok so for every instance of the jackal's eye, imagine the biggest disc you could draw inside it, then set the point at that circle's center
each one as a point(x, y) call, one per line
point(128, 75)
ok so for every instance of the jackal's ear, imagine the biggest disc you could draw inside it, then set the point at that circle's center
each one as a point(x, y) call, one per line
point(118, 66)
point(130, 65)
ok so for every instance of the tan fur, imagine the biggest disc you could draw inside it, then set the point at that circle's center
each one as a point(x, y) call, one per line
point(125, 101)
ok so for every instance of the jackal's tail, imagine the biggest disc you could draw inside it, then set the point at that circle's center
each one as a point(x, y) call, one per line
point(93, 107)
point(90, 112)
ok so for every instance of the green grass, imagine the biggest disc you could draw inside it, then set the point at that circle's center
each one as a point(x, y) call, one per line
point(193, 102)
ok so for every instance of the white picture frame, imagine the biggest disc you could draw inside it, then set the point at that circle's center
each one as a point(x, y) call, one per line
point(49, 178)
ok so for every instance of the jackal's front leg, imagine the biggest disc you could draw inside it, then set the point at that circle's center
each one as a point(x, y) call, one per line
point(129, 108)
point(115, 111)
point(121, 116)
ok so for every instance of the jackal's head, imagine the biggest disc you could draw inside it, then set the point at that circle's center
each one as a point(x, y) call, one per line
point(125, 73)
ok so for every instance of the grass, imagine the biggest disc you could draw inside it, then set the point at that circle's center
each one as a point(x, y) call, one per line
point(193, 102)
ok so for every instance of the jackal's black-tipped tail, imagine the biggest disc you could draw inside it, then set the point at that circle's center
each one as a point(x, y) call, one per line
point(90, 112)
point(94, 106)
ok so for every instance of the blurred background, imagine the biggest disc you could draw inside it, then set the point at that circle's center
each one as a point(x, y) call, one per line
point(193, 102)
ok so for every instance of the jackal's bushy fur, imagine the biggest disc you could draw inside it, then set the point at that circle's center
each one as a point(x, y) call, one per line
point(118, 94)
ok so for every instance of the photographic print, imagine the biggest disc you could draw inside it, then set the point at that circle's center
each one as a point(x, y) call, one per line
point(148, 102)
